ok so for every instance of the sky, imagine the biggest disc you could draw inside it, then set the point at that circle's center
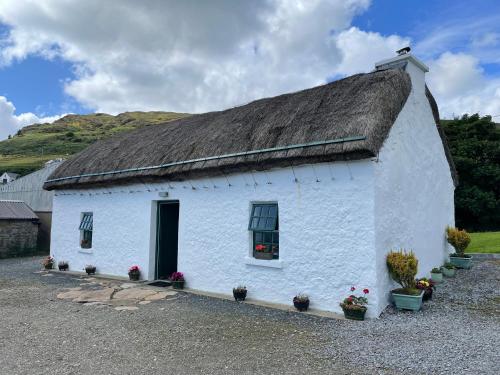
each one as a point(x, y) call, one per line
point(59, 57)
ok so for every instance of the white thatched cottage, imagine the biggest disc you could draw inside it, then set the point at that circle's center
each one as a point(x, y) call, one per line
point(304, 192)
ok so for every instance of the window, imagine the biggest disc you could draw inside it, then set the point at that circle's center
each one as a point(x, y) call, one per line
point(264, 226)
point(86, 226)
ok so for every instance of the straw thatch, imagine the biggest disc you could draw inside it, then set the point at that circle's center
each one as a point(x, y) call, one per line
point(361, 105)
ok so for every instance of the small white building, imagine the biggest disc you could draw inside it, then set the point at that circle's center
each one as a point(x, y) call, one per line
point(8, 177)
point(304, 192)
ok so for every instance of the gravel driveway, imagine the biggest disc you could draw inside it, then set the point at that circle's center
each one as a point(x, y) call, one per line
point(458, 332)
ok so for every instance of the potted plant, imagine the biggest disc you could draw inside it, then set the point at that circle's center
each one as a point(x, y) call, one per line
point(301, 302)
point(459, 239)
point(354, 307)
point(48, 262)
point(427, 286)
point(177, 279)
point(134, 273)
point(262, 252)
point(240, 293)
point(449, 269)
point(437, 275)
point(63, 265)
point(85, 244)
point(90, 269)
point(403, 268)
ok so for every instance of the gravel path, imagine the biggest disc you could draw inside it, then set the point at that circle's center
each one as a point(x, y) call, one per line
point(458, 332)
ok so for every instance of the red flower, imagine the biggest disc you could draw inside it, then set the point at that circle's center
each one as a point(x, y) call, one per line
point(260, 247)
point(366, 291)
point(349, 299)
point(353, 289)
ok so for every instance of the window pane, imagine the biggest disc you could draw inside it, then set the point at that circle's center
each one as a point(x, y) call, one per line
point(273, 210)
point(257, 210)
point(268, 237)
point(258, 237)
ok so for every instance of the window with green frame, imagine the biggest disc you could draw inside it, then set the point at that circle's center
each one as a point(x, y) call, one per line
point(264, 225)
point(86, 228)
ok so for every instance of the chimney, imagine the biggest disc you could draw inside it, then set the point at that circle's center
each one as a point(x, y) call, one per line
point(413, 66)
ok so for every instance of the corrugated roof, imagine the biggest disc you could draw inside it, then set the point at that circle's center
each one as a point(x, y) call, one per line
point(16, 210)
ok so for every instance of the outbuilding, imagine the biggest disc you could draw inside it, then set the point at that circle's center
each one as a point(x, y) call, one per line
point(303, 192)
point(18, 229)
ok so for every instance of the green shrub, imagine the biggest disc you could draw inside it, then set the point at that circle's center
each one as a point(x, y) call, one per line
point(449, 266)
point(457, 238)
point(436, 270)
point(403, 268)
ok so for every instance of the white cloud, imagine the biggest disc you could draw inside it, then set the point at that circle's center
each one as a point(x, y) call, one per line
point(10, 123)
point(194, 56)
point(460, 86)
point(361, 49)
point(188, 56)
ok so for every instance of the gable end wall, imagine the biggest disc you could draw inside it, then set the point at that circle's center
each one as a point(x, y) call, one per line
point(413, 192)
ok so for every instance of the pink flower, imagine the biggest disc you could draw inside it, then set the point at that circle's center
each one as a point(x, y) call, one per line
point(353, 289)
point(366, 291)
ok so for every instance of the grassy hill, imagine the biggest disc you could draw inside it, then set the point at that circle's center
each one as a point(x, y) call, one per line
point(33, 145)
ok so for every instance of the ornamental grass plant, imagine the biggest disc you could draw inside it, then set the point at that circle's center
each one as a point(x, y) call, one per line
point(403, 266)
point(459, 239)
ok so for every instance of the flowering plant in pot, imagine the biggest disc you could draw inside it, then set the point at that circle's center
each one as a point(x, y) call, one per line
point(90, 269)
point(48, 262)
point(262, 252)
point(63, 265)
point(437, 275)
point(301, 302)
point(449, 269)
point(459, 239)
point(403, 267)
point(354, 307)
point(134, 273)
point(240, 293)
point(427, 286)
point(177, 279)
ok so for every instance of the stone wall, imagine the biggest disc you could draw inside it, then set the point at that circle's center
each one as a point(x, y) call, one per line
point(18, 238)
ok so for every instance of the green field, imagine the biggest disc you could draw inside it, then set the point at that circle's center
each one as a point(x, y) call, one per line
point(484, 242)
point(28, 149)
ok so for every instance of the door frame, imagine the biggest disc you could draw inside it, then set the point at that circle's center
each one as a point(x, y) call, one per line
point(157, 205)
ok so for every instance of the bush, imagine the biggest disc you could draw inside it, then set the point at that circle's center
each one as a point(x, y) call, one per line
point(459, 239)
point(403, 268)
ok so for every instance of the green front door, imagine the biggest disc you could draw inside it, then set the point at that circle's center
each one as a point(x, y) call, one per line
point(167, 239)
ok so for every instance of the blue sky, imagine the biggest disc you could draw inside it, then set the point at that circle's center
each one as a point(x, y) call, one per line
point(71, 57)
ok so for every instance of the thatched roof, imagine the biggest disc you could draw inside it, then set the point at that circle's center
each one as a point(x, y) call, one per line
point(363, 106)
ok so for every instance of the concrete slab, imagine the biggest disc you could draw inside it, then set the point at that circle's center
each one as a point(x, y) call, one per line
point(100, 295)
point(134, 293)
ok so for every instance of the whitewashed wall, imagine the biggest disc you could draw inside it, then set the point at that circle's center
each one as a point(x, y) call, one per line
point(414, 189)
point(327, 239)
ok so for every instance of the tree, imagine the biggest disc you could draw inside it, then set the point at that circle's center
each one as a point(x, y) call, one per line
point(475, 146)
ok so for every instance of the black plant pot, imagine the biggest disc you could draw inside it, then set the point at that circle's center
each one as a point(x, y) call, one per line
point(63, 268)
point(301, 305)
point(134, 276)
point(427, 294)
point(239, 295)
point(90, 271)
